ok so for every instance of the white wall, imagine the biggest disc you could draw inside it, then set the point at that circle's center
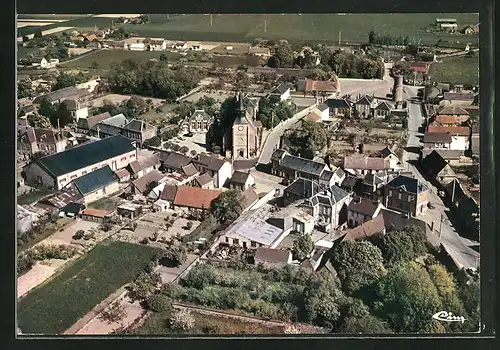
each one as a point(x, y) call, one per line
point(81, 113)
point(285, 96)
point(34, 171)
point(459, 143)
point(225, 173)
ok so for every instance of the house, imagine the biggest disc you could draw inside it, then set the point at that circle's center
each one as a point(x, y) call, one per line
point(291, 167)
point(253, 229)
point(460, 135)
point(180, 46)
point(138, 130)
point(96, 215)
point(204, 181)
point(195, 46)
point(272, 258)
point(194, 198)
point(339, 107)
point(71, 210)
point(452, 116)
point(382, 110)
point(59, 169)
point(135, 130)
point(156, 191)
point(97, 184)
point(156, 44)
point(350, 183)
point(436, 167)
point(40, 62)
point(281, 92)
point(364, 106)
point(109, 126)
point(241, 181)
point(390, 156)
point(44, 141)
point(372, 186)
point(363, 164)
point(407, 195)
point(263, 52)
point(420, 67)
point(76, 108)
point(198, 122)
point(60, 95)
point(457, 99)
point(219, 169)
point(300, 189)
point(313, 116)
point(140, 185)
point(166, 198)
point(448, 24)
point(173, 162)
point(328, 207)
point(129, 210)
point(319, 88)
point(144, 166)
point(361, 210)
point(84, 125)
point(249, 198)
point(470, 29)
point(329, 178)
point(323, 111)
point(123, 175)
point(436, 140)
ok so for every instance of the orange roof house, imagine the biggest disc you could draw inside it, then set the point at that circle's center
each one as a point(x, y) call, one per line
point(195, 197)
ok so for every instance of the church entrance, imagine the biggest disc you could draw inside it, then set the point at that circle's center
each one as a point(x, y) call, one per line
point(241, 153)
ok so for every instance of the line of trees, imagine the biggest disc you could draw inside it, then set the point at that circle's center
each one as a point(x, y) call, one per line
point(376, 39)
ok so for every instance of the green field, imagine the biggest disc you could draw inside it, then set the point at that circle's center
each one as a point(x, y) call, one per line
point(456, 70)
point(295, 28)
point(58, 304)
point(106, 57)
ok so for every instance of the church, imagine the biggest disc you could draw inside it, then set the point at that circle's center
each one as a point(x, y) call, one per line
point(246, 132)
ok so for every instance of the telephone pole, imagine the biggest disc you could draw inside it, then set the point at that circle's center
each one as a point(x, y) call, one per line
point(340, 36)
point(211, 22)
point(265, 26)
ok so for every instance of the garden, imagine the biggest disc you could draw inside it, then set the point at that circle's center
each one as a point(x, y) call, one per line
point(56, 305)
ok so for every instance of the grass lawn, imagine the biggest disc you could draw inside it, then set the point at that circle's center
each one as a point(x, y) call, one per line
point(157, 323)
point(106, 203)
point(58, 304)
point(22, 51)
point(297, 28)
point(30, 197)
point(456, 70)
point(105, 57)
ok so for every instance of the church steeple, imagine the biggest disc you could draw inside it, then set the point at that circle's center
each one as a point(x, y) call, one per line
point(241, 111)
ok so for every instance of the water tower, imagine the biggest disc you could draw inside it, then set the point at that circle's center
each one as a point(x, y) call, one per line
point(397, 92)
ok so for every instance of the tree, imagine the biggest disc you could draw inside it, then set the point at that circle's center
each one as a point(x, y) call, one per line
point(175, 256)
point(37, 33)
point(144, 285)
point(64, 80)
point(38, 121)
point(406, 298)
point(184, 149)
point(155, 141)
point(163, 58)
point(193, 153)
point(372, 37)
point(114, 313)
point(367, 324)
point(182, 320)
point(227, 206)
point(134, 107)
point(302, 247)
point(46, 108)
point(150, 185)
point(283, 57)
point(62, 115)
point(159, 303)
point(94, 64)
point(24, 88)
point(358, 264)
point(242, 80)
point(401, 245)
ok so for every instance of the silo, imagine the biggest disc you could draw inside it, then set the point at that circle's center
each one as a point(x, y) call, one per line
point(397, 94)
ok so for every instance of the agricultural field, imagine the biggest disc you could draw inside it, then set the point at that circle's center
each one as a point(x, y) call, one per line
point(106, 57)
point(56, 305)
point(157, 323)
point(296, 28)
point(456, 70)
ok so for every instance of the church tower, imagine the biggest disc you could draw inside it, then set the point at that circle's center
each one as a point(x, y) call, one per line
point(241, 131)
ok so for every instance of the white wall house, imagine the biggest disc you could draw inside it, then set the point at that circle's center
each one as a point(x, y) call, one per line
point(223, 175)
point(459, 143)
point(80, 113)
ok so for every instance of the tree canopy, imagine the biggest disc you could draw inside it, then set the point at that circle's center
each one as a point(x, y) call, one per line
point(302, 246)
point(366, 324)
point(358, 264)
point(227, 206)
point(283, 57)
point(24, 88)
point(273, 112)
point(407, 298)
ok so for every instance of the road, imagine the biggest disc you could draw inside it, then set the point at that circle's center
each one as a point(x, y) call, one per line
point(457, 246)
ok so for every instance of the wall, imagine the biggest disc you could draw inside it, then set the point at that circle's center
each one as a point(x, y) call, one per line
point(459, 143)
point(225, 173)
point(355, 219)
point(81, 113)
point(102, 192)
point(32, 173)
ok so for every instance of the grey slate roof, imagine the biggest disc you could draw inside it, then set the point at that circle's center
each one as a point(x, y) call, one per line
point(304, 188)
point(211, 163)
point(240, 177)
point(338, 193)
point(204, 179)
point(409, 184)
point(322, 107)
point(302, 164)
point(326, 176)
point(89, 122)
point(174, 160)
point(433, 137)
point(69, 92)
point(84, 155)
point(338, 103)
point(458, 96)
point(278, 154)
point(433, 163)
point(363, 206)
point(95, 180)
point(280, 89)
point(117, 120)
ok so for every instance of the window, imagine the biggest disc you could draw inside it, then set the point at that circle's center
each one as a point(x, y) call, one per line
point(390, 193)
point(236, 241)
point(73, 177)
point(123, 159)
point(94, 169)
point(400, 196)
point(253, 244)
point(83, 173)
point(410, 198)
point(132, 156)
point(227, 239)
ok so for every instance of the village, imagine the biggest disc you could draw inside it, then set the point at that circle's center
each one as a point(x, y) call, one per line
point(275, 176)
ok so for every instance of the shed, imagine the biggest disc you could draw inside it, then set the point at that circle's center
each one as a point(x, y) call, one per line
point(129, 210)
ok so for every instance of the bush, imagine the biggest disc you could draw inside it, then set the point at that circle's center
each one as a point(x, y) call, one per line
point(25, 263)
point(115, 313)
point(145, 240)
point(44, 252)
point(189, 224)
point(182, 320)
point(79, 234)
point(159, 303)
point(106, 227)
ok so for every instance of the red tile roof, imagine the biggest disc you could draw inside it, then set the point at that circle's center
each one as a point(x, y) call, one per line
point(452, 130)
point(420, 67)
point(319, 85)
point(195, 197)
point(447, 119)
point(121, 173)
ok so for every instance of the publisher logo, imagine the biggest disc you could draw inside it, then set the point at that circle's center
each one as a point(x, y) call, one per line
point(446, 316)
